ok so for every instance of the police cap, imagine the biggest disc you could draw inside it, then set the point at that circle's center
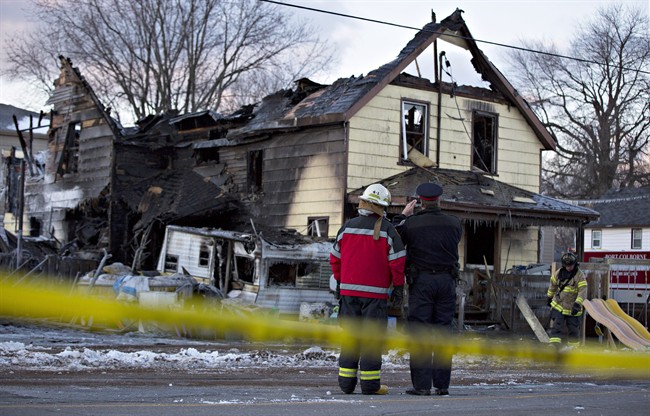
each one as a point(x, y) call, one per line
point(429, 191)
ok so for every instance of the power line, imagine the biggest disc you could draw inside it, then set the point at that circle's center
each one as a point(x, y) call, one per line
point(503, 45)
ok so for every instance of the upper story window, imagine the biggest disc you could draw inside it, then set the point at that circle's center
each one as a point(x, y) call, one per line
point(415, 128)
point(69, 158)
point(596, 238)
point(636, 238)
point(484, 141)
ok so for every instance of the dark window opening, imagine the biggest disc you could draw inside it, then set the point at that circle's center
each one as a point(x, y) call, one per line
point(244, 269)
point(34, 227)
point(414, 131)
point(318, 226)
point(282, 274)
point(69, 162)
point(480, 242)
point(301, 275)
point(484, 145)
point(208, 155)
point(254, 182)
point(171, 263)
point(204, 255)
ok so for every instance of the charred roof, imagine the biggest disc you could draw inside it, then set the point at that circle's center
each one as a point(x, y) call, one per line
point(476, 196)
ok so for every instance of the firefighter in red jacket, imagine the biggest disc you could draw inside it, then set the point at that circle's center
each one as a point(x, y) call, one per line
point(566, 292)
point(367, 258)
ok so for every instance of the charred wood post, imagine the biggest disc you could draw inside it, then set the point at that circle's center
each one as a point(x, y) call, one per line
point(99, 270)
point(26, 151)
point(144, 242)
point(21, 209)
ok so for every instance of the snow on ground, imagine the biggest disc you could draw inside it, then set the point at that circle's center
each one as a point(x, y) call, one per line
point(64, 349)
point(54, 349)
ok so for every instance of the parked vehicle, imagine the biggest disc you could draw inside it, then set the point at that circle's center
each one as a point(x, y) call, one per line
point(629, 276)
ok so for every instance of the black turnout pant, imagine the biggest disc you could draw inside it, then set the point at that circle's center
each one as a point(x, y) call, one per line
point(365, 317)
point(432, 304)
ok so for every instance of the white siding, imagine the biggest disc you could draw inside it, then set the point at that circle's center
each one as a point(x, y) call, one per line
point(617, 239)
point(519, 247)
point(375, 138)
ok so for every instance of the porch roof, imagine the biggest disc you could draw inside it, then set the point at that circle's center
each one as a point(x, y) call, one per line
point(476, 197)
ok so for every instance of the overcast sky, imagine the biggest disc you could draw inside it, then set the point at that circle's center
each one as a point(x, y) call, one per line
point(363, 46)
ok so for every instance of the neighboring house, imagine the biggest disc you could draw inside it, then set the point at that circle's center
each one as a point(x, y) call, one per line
point(623, 233)
point(623, 229)
point(299, 159)
point(9, 136)
point(13, 145)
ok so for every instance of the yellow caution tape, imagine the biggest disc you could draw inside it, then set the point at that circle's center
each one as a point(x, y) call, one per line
point(34, 301)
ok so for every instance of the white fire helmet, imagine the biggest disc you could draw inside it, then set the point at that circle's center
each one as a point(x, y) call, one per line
point(376, 194)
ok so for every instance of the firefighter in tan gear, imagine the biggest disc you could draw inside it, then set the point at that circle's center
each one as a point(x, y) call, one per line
point(566, 293)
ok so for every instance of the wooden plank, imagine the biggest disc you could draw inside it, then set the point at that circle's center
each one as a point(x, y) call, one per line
point(532, 320)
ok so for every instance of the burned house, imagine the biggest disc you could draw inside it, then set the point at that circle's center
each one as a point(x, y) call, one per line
point(298, 160)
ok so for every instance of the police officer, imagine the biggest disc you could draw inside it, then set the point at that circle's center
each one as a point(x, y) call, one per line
point(431, 239)
point(566, 292)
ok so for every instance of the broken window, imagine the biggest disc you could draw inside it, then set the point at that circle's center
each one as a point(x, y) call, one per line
point(301, 275)
point(480, 244)
point(282, 274)
point(69, 161)
point(415, 127)
point(484, 146)
point(636, 238)
point(34, 227)
point(245, 269)
point(204, 255)
point(171, 263)
point(254, 178)
point(318, 226)
point(208, 155)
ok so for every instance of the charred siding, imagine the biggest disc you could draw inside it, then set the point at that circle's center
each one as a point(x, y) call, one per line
point(79, 161)
point(303, 174)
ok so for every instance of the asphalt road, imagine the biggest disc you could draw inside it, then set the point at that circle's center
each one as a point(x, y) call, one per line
point(289, 392)
point(480, 385)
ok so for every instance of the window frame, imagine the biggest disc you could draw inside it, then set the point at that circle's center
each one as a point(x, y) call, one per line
point(480, 115)
point(68, 162)
point(403, 147)
point(640, 238)
point(299, 274)
point(599, 239)
point(323, 226)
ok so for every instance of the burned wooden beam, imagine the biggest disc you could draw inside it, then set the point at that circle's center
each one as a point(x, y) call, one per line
point(23, 145)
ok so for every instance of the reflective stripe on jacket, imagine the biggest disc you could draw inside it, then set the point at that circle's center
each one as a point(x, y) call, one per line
point(364, 266)
point(574, 291)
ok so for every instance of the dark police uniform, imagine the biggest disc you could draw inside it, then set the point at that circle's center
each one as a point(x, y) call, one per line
point(431, 239)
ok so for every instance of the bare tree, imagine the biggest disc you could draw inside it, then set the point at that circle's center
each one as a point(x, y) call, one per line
point(151, 56)
point(597, 106)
